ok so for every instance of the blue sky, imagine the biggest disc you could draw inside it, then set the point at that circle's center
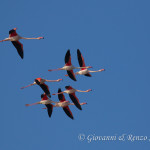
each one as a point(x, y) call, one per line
point(110, 34)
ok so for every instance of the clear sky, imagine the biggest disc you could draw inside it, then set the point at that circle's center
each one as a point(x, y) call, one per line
point(111, 34)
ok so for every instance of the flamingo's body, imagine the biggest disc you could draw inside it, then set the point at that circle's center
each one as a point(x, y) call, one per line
point(48, 103)
point(71, 91)
point(41, 83)
point(69, 67)
point(14, 38)
point(84, 70)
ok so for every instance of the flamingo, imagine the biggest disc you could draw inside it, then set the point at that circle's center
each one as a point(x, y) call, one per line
point(14, 38)
point(69, 67)
point(45, 101)
point(84, 70)
point(71, 91)
point(41, 83)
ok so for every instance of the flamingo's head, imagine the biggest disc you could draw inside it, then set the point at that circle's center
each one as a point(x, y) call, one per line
point(34, 83)
point(37, 82)
point(40, 38)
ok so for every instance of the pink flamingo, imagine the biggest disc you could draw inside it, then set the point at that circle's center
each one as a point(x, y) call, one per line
point(45, 101)
point(41, 83)
point(14, 38)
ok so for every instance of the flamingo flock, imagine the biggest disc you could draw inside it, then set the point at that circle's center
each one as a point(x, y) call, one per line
point(45, 97)
point(62, 103)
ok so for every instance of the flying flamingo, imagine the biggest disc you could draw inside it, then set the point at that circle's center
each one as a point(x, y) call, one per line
point(71, 91)
point(69, 67)
point(84, 70)
point(47, 102)
point(41, 83)
point(14, 38)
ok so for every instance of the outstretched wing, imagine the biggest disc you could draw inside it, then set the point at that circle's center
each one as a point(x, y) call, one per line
point(68, 112)
point(61, 97)
point(68, 58)
point(75, 100)
point(44, 87)
point(49, 109)
point(19, 48)
point(80, 59)
point(71, 75)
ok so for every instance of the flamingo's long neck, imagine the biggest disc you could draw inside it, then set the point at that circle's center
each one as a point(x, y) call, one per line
point(55, 69)
point(28, 85)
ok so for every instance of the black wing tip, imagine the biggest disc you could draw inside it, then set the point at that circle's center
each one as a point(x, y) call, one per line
point(49, 116)
point(88, 75)
point(78, 51)
point(76, 103)
point(49, 95)
point(71, 75)
point(19, 48)
point(80, 108)
point(72, 118)
point(74, 79)
point(68, 52)
point(67, 56)
point(49, 109)
point(59, 90)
